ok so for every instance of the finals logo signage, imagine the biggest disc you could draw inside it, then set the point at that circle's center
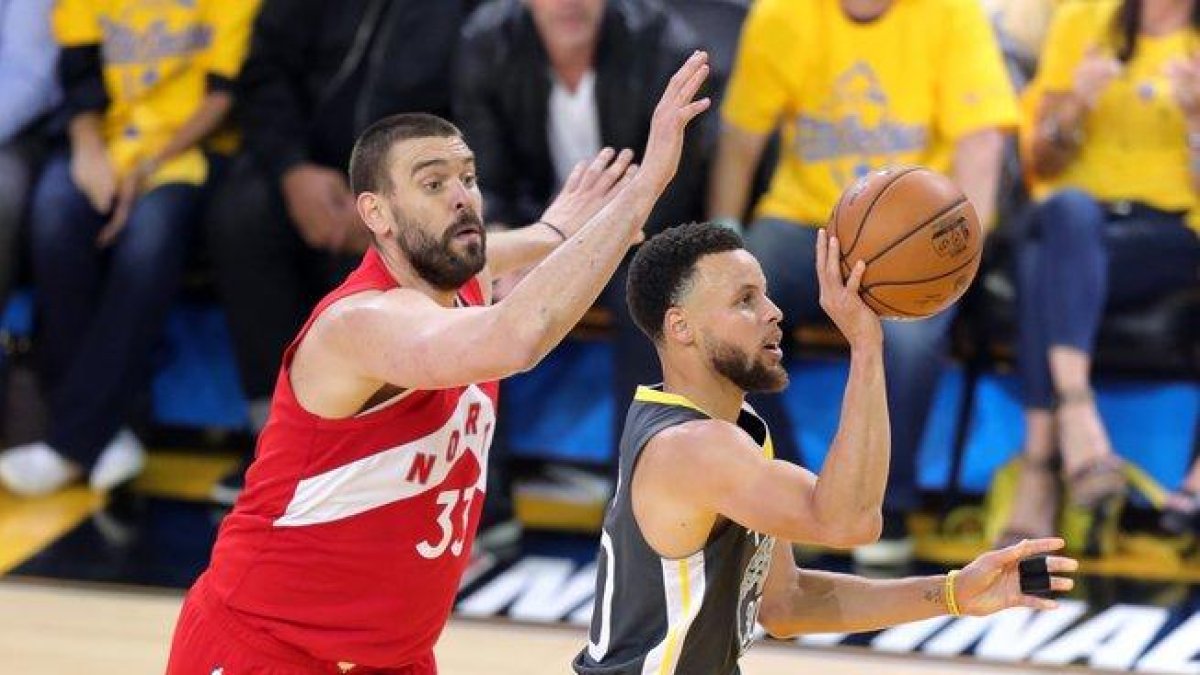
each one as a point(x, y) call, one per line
point(1122, 637)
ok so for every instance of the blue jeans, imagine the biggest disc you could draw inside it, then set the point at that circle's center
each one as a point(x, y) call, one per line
point(101, 310)
point(1075, 260)
point(913, 354)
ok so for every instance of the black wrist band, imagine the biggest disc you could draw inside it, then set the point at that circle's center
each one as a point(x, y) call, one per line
point(553, 227)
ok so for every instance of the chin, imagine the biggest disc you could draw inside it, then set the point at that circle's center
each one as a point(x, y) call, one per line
point(778, 383)
point(771, 387)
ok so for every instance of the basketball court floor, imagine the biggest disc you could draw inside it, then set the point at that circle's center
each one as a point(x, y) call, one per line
point(118, 631)
point(94, 586)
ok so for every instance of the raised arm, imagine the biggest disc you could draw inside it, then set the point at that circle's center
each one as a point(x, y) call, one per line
point(396, 338)
point(797, 601)
point(709, 468)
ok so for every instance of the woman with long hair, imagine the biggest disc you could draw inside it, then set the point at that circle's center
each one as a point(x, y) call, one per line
point(1114, 153)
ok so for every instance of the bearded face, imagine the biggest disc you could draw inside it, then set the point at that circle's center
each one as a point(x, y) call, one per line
point(751, 370)
point(449, 261)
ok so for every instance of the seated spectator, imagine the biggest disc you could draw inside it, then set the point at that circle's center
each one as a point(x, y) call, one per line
point(282, 229)
point(147, 87)
point(27, 57)
point(542, 84)
point(854, 85)
point(1114, 152)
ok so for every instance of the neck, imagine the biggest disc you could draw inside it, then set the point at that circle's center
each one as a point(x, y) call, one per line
point(571, 64)
point(402, 271)
point(1160, 17)
point(714, 394)
point(865, 10)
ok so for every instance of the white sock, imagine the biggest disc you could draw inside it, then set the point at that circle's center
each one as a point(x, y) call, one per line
point(123, 458)
point(35, 469)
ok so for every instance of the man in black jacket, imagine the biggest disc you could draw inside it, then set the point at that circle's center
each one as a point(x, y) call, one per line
point(282, 228)
point(541, 84)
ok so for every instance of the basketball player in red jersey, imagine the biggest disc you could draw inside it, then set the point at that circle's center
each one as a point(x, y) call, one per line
point(344, 553)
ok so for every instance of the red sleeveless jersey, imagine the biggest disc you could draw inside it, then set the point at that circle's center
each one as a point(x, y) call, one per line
point(351, 535)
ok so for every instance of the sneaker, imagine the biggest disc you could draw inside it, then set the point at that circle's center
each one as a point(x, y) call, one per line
point(225, 492)
point(894, 548)
point(120, 462)
point(36, 469)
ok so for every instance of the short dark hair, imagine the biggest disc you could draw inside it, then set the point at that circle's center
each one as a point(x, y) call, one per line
point(661, 271)
point(368, 160)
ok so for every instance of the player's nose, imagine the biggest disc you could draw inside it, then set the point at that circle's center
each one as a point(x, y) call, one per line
point(460, 196)
point(774, 313)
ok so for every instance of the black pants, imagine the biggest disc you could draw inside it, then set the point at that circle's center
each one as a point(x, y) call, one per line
point(268, 277)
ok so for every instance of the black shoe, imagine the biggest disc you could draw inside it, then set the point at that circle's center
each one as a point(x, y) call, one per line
point(895, 545)
point(226, 490)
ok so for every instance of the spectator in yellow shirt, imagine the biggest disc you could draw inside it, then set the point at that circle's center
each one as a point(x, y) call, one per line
point(853, 85)
point(147, 86)
point(1114, 147)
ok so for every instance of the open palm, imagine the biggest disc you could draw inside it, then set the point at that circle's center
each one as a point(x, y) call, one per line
point(992, 581)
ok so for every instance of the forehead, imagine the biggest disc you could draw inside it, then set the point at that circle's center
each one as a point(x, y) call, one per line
point(729, 271)
point(416, 153)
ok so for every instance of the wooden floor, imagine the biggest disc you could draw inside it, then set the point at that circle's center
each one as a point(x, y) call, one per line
point(57, 630)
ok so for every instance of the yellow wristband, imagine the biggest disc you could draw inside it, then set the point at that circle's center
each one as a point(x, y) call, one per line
point(951, 601)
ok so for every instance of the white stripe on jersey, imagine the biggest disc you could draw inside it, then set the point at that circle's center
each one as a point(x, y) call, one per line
point(396, 473)
point(683, 590)
point(598, 650)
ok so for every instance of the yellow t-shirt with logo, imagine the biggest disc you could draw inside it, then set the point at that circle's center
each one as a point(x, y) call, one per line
point(1135, 143)
point(851, 97)
point(157, 55)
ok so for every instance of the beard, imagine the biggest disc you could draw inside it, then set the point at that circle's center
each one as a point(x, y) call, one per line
point(749, 372)
point(438, 261)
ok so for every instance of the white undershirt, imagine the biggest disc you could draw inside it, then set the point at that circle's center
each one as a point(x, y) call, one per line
point(574, 128)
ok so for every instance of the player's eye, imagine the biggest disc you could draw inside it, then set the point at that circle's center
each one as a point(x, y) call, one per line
point(469, 180)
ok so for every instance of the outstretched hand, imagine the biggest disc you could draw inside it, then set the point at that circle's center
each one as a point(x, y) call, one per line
point(591, 185)
point(594, 184)
point(992, 581)
point(674, 111)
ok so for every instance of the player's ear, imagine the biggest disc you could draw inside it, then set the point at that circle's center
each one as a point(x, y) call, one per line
point(373, 211)
point(676, 327)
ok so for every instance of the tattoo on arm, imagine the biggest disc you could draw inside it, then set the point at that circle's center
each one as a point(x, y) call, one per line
point(933, 595)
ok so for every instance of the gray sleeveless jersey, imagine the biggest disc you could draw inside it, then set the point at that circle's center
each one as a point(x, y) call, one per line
point(688, 616)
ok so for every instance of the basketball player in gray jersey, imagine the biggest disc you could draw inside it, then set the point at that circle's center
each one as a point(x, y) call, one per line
point(696, 545)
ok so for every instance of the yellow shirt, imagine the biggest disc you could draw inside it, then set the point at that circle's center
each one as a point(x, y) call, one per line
point(854, 96)
point(1135, 143)
point(157, 55)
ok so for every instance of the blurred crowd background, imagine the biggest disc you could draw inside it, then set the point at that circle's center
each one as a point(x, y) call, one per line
point(173, 190)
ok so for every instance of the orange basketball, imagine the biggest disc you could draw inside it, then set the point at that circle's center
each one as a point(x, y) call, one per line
point(918, 234)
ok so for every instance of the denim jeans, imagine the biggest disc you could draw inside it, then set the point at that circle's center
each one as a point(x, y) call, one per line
point(101, 310)
point(1076, 259)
